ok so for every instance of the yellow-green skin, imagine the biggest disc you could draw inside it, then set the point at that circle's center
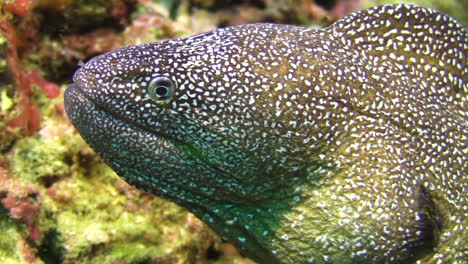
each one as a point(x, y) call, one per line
point(342, 145)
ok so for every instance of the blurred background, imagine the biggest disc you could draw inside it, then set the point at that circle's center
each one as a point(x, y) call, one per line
point(58, 202)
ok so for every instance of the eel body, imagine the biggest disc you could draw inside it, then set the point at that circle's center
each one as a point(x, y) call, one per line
point(347, 144)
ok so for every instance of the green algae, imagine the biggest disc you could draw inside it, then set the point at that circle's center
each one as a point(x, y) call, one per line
point(6, 92)
point(37, 159)
point(6, 103)
point(9, 251)
point(89, 215)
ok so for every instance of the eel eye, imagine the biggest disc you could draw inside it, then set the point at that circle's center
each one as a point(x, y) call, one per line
point(161, 89)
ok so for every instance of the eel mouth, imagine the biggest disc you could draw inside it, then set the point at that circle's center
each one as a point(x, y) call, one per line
point(108, 133)
point(84, 113)
point(76, 99)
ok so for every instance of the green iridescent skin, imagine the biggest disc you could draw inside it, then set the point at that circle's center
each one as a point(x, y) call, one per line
point(342, 145)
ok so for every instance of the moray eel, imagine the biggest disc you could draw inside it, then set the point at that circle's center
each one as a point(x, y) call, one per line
point(347, 144)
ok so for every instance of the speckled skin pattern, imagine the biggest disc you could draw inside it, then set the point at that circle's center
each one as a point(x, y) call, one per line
point(342, 145)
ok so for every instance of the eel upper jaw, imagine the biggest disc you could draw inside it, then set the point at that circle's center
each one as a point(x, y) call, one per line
point(74, 90)
point(87, 97)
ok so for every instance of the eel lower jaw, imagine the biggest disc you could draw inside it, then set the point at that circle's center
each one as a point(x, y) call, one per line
point(113, 140)
point(85, 96)
point(96, 123)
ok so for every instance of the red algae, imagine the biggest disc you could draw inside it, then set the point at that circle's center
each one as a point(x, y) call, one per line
point(23, 204)
point(49, 88)
point(29, 115)
point(30, 118)
point(20, 7)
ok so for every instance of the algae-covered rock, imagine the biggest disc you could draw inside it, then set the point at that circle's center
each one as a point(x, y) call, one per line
point(87, 214)
point(7, 92)
point(9, 240)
